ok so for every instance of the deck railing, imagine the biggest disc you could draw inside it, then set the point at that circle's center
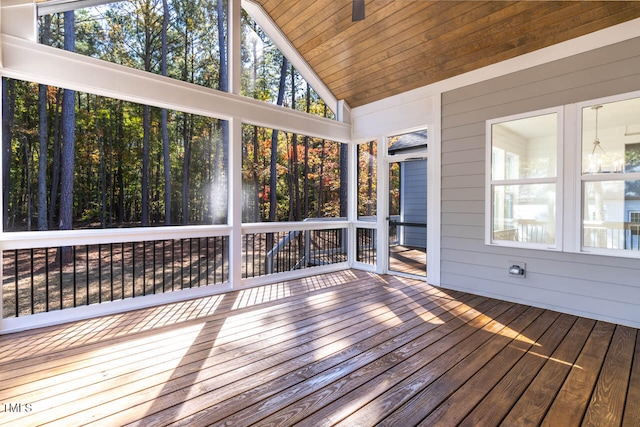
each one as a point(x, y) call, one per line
point(270, 249)
point(43, 279)
point(366, 246)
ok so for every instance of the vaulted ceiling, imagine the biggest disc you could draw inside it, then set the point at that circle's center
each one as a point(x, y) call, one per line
point(405, 44)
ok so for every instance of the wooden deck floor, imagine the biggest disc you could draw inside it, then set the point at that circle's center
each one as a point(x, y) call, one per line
point(349, 348)
point(409, 260)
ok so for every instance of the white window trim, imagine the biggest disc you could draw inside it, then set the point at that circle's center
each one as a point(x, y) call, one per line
point(557, 180)
point(580, 178)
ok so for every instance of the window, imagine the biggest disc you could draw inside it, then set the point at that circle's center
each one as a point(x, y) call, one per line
point(190, 45)
point(522, 171)
point(367, 181)
point(120, 162)
point(610, 178)
point(269, 76)
point(304, 178)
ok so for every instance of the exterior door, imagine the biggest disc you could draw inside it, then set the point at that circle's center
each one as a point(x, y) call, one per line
point(407, 217)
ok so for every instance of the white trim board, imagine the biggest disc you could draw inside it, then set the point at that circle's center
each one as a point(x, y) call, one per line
point(28, 60)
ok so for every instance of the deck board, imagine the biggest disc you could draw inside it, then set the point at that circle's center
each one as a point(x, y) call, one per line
point(571, 402)
point(346, 348)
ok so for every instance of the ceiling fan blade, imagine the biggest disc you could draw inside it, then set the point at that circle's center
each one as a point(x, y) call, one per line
point(357, 13)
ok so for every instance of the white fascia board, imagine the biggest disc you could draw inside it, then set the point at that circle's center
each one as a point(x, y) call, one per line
point(23, 59)
point(290, 52)
point(378, 111)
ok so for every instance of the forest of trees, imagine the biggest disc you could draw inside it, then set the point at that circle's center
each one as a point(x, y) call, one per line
point(79, 160)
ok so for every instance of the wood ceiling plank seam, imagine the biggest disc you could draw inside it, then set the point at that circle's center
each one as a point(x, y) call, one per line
point(484, 54)
point(325, 20)
point(290, 19)
point(392, 18)
point(274, 8)
point(341, 21)
point(373, 59)
point(442, 54)
point(629, 12)
point(558, 32)
point(328, 20)
point(468, 14)
point(363, 40)
point(381, 43)
point(444, 36)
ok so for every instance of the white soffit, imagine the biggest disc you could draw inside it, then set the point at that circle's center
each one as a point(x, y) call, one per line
point(279, 39)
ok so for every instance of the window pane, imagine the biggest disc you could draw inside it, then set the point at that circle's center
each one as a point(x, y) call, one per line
point(525, 148)
point(119, 162)
point(131, 33)
point(307, 180)
point(611, 137)
point(367, 176)
point(268, 76)
point(414, 142)
point(610, 214)
point(524, 213)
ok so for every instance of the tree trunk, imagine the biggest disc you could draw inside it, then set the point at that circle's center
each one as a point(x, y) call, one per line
point(55, 166)
point(222, 193)
point(306, 158)
point(343, 179)
point(146, 125)
point(256, 182)
point(42, 159)
point(163, 124)
point(120, 161)
point(273, 179)
point(68, 142)
point(8, 114)
point(370, 180)
point(44, 139)
point(185, 169)
point(295, 172)
point(321, 179)
point(27, 168)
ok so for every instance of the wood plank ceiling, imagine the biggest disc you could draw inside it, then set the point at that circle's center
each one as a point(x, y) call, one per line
point(405, 44)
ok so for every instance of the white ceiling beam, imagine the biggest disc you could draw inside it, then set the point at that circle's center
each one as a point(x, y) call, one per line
point(27, 60)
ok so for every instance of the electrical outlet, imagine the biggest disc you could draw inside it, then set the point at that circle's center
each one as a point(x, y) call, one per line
point(517, 269)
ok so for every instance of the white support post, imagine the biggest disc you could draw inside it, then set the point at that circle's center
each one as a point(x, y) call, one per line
point(434, 197)
point(352, 202)
point(235, 201)
point(382, 224)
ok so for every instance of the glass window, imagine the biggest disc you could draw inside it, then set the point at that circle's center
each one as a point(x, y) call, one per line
point(367, 180)
point(184, 40)
point(414, 142)
point(611, 175)
point(524, 213)
point(525, 148)
point(112, 171)
point(267, 75)
point(303, 178)
point(522, 176)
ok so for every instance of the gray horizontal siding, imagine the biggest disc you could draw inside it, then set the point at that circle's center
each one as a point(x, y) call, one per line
point(601, 287)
